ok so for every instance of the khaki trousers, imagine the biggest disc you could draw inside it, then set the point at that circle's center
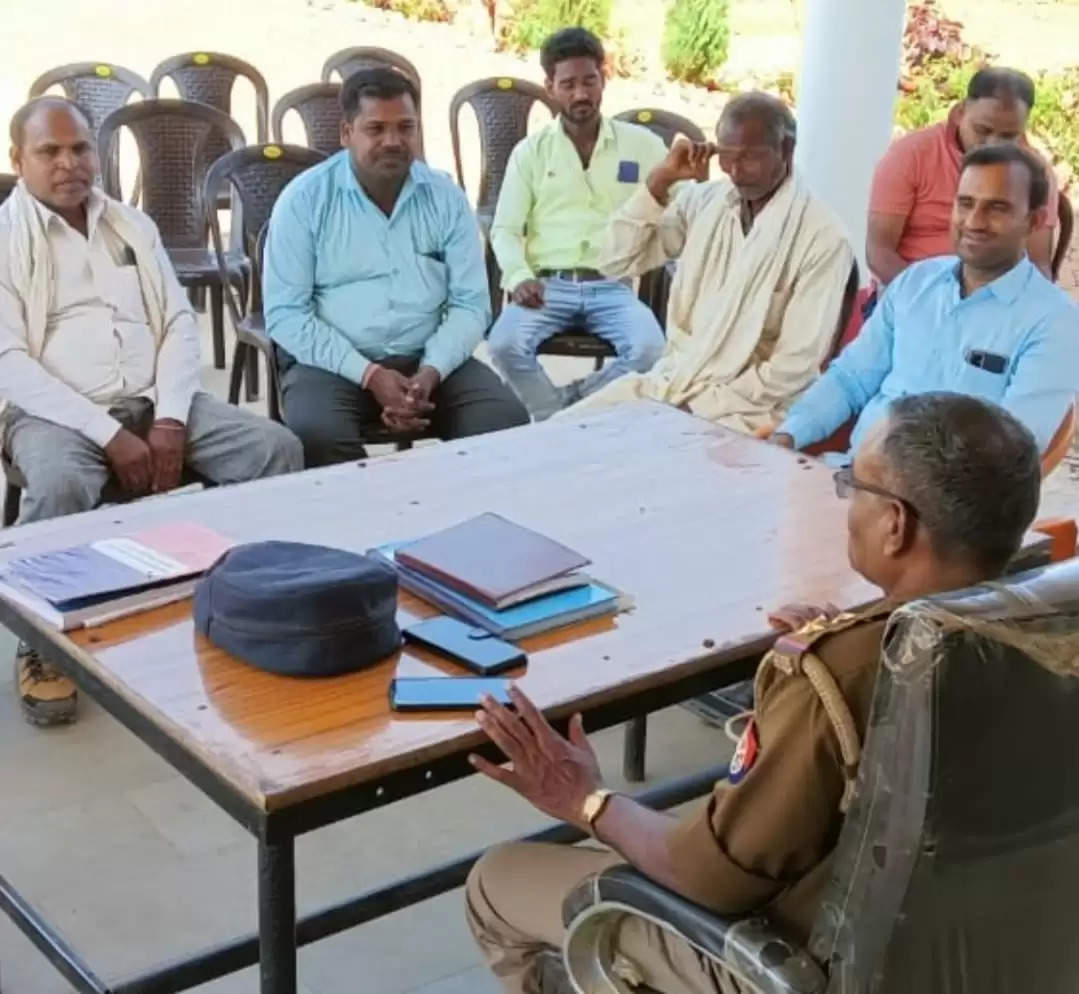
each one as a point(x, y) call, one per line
point(514, 900)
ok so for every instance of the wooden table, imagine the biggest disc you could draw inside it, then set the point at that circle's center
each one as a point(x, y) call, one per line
point(705, 528)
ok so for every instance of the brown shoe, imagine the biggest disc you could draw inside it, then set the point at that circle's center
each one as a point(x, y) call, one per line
point(46, 695)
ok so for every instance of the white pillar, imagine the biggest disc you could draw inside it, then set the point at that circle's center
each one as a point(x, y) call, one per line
point(846, 95)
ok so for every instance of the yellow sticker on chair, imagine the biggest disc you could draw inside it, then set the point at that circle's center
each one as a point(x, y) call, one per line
point(103, 71)
point(272, 152)
point(201, 59)
point(644, 116)
point(505, 83)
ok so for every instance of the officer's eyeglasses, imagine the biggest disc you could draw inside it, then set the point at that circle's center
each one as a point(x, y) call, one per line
point(845, 482)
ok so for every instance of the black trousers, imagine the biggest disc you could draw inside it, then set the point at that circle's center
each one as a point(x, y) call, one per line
point(331, 414)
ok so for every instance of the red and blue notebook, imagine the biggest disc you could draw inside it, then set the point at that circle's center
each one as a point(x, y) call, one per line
point(96, 582)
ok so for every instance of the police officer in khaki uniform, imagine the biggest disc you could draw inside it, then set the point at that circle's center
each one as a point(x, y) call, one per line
point(941, 495)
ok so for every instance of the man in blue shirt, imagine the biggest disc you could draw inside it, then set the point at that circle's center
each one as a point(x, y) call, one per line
point(375, 289)
point(987, 323)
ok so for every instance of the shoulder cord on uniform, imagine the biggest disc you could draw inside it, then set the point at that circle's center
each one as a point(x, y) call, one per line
point(835, 706)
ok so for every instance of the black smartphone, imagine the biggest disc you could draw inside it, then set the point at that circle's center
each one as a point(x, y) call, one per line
point(480, 651)
point(445, 693)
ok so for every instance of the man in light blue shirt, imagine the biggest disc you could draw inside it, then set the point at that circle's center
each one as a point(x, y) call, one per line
point(985, 323)
point(376, 291)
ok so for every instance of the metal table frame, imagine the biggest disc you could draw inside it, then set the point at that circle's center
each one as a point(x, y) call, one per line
point(279, 932)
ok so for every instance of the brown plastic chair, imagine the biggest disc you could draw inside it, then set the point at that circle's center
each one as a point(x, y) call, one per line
point(99, 88)
point(7, 184)
point(663, 123)
point(1066, 225)
point(257, 175)
point(319, 108)
point(175, 139)
point(351, 60)
point(209, 78)
point(502, 106)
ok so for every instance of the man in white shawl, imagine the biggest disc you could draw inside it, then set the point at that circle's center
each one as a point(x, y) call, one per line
point(99, 357)
point(762, 271)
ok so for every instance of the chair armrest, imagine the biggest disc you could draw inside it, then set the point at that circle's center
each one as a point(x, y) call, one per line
point(750, 948)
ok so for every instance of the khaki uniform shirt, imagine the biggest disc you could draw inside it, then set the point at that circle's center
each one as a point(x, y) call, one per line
point(766, 843)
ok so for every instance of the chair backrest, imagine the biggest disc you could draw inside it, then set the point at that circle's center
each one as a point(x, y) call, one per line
point(958, 865)
point(257, 175)
point(98, 87)
point(1065, 228)
point(319, 107)
point(7, 184)
point(663, 123)
point(502, 106)
point(175, 139)
point(208, 77)
point(350, 60)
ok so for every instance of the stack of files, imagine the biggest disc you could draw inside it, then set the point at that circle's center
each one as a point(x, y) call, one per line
point(501, 577)
point(92, 584)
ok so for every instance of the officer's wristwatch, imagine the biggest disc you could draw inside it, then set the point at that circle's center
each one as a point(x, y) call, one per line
point(594, 805)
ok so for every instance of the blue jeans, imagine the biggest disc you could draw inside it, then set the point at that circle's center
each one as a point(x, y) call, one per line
point(606, 308)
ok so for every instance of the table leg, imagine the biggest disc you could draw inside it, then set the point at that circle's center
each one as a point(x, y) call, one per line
point(277, 917)
point(633, 748)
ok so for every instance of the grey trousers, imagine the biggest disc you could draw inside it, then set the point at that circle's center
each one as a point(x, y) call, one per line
point(65, 472)
point(330, 413)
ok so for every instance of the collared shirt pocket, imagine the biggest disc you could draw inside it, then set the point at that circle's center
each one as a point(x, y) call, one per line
point(983, 373)
point(121, 290)
point(433, 277)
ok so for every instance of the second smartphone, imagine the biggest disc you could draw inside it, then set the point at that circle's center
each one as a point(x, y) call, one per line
point(474, 648)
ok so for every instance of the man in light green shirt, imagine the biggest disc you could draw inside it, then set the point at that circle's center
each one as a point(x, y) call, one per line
point(562, 187)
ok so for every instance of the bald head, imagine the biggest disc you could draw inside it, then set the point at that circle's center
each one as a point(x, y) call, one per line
point(43, 105)
point(52, 150)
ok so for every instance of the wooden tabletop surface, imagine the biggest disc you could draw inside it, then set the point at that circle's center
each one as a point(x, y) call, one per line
point(706, 530)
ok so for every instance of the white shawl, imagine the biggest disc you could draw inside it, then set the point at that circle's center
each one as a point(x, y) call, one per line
point(723, 342)
point(32, 269)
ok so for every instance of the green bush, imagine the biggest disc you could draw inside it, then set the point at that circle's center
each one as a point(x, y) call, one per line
point(1055, 120)
point(696, 39)
point(531, 22)
point(417, 10)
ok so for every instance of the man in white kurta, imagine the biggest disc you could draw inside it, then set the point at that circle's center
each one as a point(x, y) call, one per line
point(763, 269)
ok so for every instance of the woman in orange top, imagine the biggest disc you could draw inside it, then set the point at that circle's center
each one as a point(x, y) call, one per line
point(910, 207)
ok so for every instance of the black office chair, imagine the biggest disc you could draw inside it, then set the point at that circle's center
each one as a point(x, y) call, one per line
point(7, 184)
point(957, 869)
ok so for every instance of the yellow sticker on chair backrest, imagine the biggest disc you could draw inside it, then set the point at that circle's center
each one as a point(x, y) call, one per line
point(505, 83)
point(272, 152)
point(103, 71)
point(644, 116)
point(201, 59)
